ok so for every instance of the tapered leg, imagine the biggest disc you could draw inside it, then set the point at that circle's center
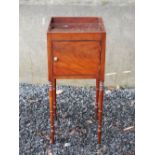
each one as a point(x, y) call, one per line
point(101, 94)
point(54, 97)
point(51, 90)
point(97, 96)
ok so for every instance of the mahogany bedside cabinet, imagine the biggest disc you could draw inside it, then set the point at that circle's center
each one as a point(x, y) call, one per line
point(76, 50)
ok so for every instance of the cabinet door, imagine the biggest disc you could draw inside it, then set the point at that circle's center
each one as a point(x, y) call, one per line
point(76, 57)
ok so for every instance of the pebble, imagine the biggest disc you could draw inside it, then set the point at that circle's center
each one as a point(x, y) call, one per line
point(59, 91)
point(67, 144)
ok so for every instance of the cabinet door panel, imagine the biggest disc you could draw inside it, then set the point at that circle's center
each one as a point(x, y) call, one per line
point(76, 57)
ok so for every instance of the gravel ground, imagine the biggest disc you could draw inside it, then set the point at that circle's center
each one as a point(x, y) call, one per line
point(76, 125)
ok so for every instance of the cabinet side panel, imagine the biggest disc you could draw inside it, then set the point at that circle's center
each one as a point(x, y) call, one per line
point(103, 54)
point(50, 56)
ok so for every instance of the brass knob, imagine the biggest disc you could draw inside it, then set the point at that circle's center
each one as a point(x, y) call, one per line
point(55, 59)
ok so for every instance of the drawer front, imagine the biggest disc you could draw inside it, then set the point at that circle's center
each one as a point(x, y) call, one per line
point(76, 57)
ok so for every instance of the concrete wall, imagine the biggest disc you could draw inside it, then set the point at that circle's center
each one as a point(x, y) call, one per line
point(73, 2)
point(119, 22)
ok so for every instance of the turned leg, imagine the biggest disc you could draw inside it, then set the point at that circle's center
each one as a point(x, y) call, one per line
point(51, 90)
point(97, 96)
point(101, 94)
point(54, 97)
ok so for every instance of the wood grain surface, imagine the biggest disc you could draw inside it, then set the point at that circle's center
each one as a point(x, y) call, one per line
point(76, 58)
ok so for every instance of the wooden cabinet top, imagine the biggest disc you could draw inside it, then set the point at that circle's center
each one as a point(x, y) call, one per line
point(76, 25)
